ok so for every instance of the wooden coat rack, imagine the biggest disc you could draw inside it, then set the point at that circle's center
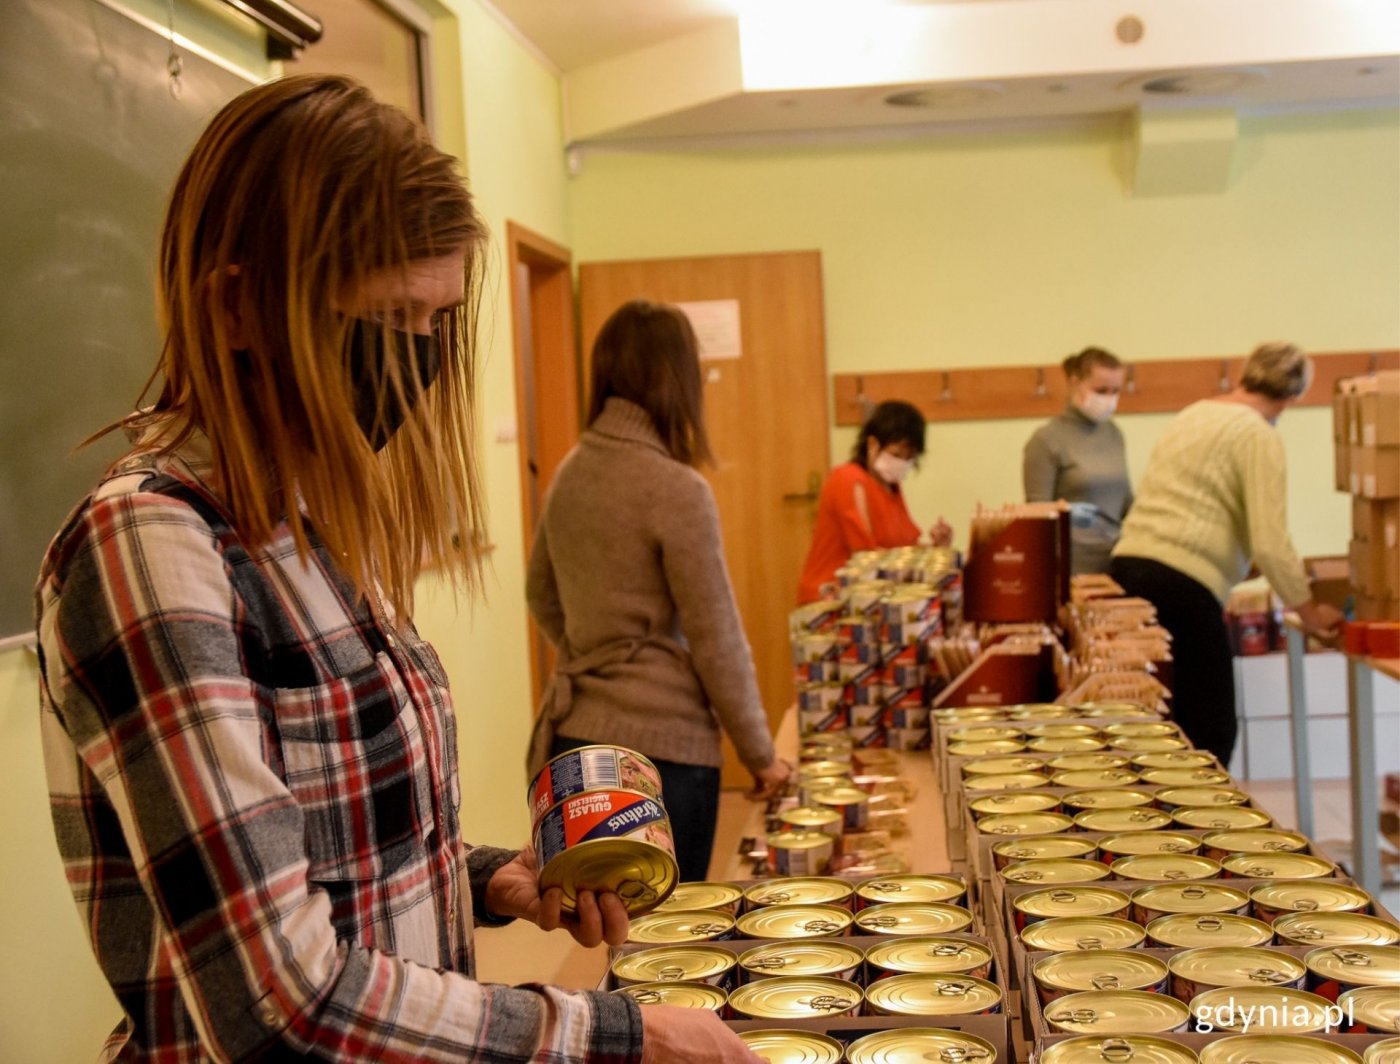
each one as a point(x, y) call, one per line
point(1039, 391)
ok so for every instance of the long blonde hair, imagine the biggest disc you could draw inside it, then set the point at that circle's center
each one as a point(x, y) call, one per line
point(298, 191)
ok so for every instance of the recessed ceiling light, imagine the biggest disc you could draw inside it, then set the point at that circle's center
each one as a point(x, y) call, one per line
point(944, 96)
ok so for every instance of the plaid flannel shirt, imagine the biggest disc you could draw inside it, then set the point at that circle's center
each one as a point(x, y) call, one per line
point(254, 789)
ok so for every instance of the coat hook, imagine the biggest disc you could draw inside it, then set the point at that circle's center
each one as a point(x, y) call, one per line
point(1224, 383)
point(863, 400)
point(1041, 391)
point(1373, 363)
point(946, 396)
point(1130, 381)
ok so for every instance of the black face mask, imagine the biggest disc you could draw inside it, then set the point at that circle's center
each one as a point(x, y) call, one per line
point(377, 411)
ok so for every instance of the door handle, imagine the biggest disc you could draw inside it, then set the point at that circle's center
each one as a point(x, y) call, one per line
point(813, 492)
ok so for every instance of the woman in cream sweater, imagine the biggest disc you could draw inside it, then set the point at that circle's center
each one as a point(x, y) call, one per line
point(1213, 499)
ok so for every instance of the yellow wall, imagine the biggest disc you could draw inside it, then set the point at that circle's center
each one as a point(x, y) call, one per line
point(1017, 248)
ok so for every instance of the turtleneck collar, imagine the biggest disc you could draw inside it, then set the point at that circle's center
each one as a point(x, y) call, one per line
point(623, 419)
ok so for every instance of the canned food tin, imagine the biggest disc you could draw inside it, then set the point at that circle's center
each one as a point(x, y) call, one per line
point(1335, 929)
point(1132, 843)
point(671, 928)
point(810, 770)
point(915, 887)
point(1260, 1010)
point(1086, 762)
point(1066, 744)
point(1062, 730)
point(808, 789)
point(1019, 781)
point(1275, 1049)
point(1001, 766)
point(823, 721)
point(792, 997)
point(860, 630)
point(683, 995)
point(1040, 848)
point(1123, 710)
point(1137, 1049)
point(800, 853)
point(811, 818)
point(913, 1045)
point(1067, 901)
point(1220, 844)
point(1209, 967)
point(1222, 818)
point(1111, 798)
point(607, 841)
point(1200, 797)
point(1332, 970)
point(870, 736)
point(932, 995)
point(1141, 728)
point(816, 672)
point(908, 739)
point(1386, 1051)
point(913, 918)
point(1148, 759)
point(1186, 777)
point(1025, 824)
point(865, 715)
point(793, 1047)
point(1117, 1012)
point(988, 747)
point(1148, 744)
point(1013, 802)
point(696, 895)
point(982, 733)
point(928, 955)
point(1120, 820)
point(1065, 933)
point(1056, 870)
point(1038, 711)
point(1272, 900)
point(1277, 866)
point(795, 921)
point(675, 964)
point(1371, 1009)
point(1189, 931)
point(816, 647)
point(805, 890)
point(821, 697)
point(591, 768)
point(1165, 867)
point(909, 717)
point(1103, 969)
point(1165, 899)
point(1095, 777)
point(851, 802)
point(819, 957)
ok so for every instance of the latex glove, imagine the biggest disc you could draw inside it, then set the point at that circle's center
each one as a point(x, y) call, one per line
point(1321, 620)
point(515, 891)
point(1082, 514)
point(768, 782)
point(675, 1035)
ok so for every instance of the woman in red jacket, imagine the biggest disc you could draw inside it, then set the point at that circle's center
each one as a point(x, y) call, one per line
point(861, 506)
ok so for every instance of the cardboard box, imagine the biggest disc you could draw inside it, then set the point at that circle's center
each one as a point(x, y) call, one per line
point(1377, 607)
point(1330, 575)
point(1379, 419)
point(1341, 457)
point(1375, 472)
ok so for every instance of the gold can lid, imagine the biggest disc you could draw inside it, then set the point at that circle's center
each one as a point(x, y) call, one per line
point(919, 1045)
point(1377, 1007)
point(1335, 929)
point(1025, 823)
point(1276, 1049)
point(820, 957)
point(1109, 798)
point(1190, 898)
point(671, 927)
point(799, 840)
point(1110, 1012)
point(929, 954)
point(1011, 781)
point(1082, 933)
point(799, 890)
point(1140, 842)
point(699, 895)
point(1256, 840)
point(1223, 818)
point(1066, 744)
point(1061, 730)
point(1357, 965)
point(1148, 744)
point(811, 770)
point(1172, 758)
point(1040, 848)
point(1095, 777)
point(1002, 766)
point(932, 995)
point(1192, 930)
point(1278, 866)
point(795, 997)
point(1141, 728)
point(1386, 1051)
point(1055, 870)
point(841, 796)
point(1262, 1010)
point(1038, 711)
point(1237, 966)
point(1014, 802)
point(1186, 777)
point(683, 995)
point(1100, 969)
point(1123, 710)
point(1094, 760)
point(793, 1047)
point(1129, 1049)
point(959, 714)
point(810, 818)
point(986, 748)
point(1165, 866)
point(1206, 797)
point(1071, 901)
point(1136, 818)
point(915, 887)
point(795, 921)
point(673, 964)
point(1310, 896)
point(640, 873)
point(983, 733)
point(913, 918)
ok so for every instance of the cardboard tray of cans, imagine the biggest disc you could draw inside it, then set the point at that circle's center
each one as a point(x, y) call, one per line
point(847, 1029)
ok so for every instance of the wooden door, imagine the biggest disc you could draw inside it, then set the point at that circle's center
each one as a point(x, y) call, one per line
point(766, 412)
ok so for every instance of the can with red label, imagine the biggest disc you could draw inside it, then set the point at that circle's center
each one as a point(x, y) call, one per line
point(591, 768)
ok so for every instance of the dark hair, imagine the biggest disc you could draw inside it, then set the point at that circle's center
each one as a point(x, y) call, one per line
point(646, 353)
point(1079, 366)
point(893, 421)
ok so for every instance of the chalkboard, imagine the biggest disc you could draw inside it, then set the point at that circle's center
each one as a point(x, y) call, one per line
point(91, 139)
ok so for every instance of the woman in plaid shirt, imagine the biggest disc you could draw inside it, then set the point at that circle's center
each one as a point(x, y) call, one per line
point(251, 754)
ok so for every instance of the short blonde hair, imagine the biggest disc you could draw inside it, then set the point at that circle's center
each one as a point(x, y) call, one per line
point(1277, 370)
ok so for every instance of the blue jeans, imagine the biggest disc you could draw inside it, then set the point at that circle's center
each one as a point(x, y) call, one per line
point(691, 796)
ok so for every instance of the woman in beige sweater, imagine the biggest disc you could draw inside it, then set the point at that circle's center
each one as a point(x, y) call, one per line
point(628, 581)
point(1213, 499)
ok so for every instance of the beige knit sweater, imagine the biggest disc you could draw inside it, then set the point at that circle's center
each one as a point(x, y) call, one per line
point(627, 579)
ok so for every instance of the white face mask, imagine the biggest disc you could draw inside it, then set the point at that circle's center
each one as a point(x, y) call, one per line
point(1096, 407)
point(889, 468)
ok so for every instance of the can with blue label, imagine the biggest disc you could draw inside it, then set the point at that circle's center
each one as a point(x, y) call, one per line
point(590, 768)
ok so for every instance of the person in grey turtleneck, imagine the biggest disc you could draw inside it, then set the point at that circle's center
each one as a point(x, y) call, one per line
point(1079, 457)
